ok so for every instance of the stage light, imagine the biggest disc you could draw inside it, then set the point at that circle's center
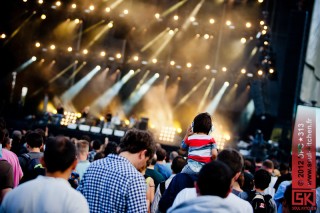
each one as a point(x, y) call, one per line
point(198, 35)
point(271, 70)
point(33, 58)
point(69, 49)
point(118, 55)
point(175, 17)
point(43, 16)
point(243, 40)
point(39, 2)
point(77, 21)
point(243, 71)
point(207, 67)
point(135, 58)
point(261, 22)
point(171, 32)
point(58, 3)
point(73, 6)
point(42, 60)
point(192, 19)
point(154, 60)
point(265, 43)
point(206, 36)
point(265, 27)
point(172, 63)
point(260, 1)
point(228, 23)
point(189, 65)
point(85, 51)
point(157, 75)
point(212, 106)
point(157, 15)
point(110, 24)
point(248, 25)
point(125, 11)
point(37, 44)
point(24, 0)
point(102, 53)
point(108, 9)
point(260, 72)
point(3, 36)
point(52, 46)
point(91, 7)
point(264, 32)
point(224, 69)
point(211, 21)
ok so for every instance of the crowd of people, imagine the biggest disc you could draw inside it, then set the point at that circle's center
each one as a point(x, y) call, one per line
point(39, 173)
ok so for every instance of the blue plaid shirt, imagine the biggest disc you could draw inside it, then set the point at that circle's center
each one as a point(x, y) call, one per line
point(113, 184)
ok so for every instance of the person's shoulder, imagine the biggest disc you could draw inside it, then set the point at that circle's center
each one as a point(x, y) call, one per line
point(239, 202)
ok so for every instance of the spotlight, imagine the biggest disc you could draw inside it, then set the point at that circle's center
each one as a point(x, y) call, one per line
point(34, 58)
point(39, 2)
point(171, 32)
point(58, 3)
point(226, 83)
point(248, 25)
point(192, 19)
point(135, 58)
point(271, 70)
point(243, 40)
point(118, 55)
point(98, 67)
point(172, 63)
point(154, 60)
point(108, 9)
point(260, 1)
point(207, 67)
point(228, 23)
point(85, 51)
point(131, 72)
point(43, 16)
point(189, 65)
point(157, 15)
point(91, 7)
point(37, 44)
point(261, 22)
point(264, 32)
point(175, 17)
point(69, 49)
point(125, 11)
point(243, 71)
point(73, 6)
point(206, 36)
point(211, 21)
point(77, 21)
point(102, 53)
point(260, 72)
point(3, 36)
point(52, 47)
point(224, 69)
point(265, 43)
point(110, 25)
point(24, 0)
point(157, 75)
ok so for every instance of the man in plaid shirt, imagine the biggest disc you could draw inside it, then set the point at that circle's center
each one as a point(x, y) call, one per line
point(114, 183)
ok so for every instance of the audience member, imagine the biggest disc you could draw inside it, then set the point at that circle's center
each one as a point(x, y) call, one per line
point(82, 154)
point(114, 183)
point(269, 167)
point(96, 146)
point(213, 185)
point(160, 164)
point(50, 193)
point(6, 178)
point(151, 172)
point(16, 142)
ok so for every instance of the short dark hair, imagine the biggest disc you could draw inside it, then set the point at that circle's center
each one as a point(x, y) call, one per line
point(202, 123)
point(215, 179)
point(34, 140)
point(268, 164)
point(111, 148)
point(161, 154)
point(177, 164)
point(262, 179)
point(233, 159)
point(136, 140)
point(59, 154)
point(96, 144)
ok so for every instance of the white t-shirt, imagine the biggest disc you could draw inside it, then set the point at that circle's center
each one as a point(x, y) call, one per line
point(44, 194)
point(237, 203)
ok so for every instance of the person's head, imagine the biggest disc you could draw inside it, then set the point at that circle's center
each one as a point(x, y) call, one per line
point(6, 143)
point(262, 179)
point(177, 164)
point(82, 147)
point(110, 148)
point(173, 155)
point(98, 156)
point(59, 155)
point(233, 159)
point(202, 123)
point(16, 135)
point(214, 179)
point(161, 154)
point(138, 142)
point(96, 144)
point(42, 133)
point(268, 165)
point(34, 140)
point(284, 168)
